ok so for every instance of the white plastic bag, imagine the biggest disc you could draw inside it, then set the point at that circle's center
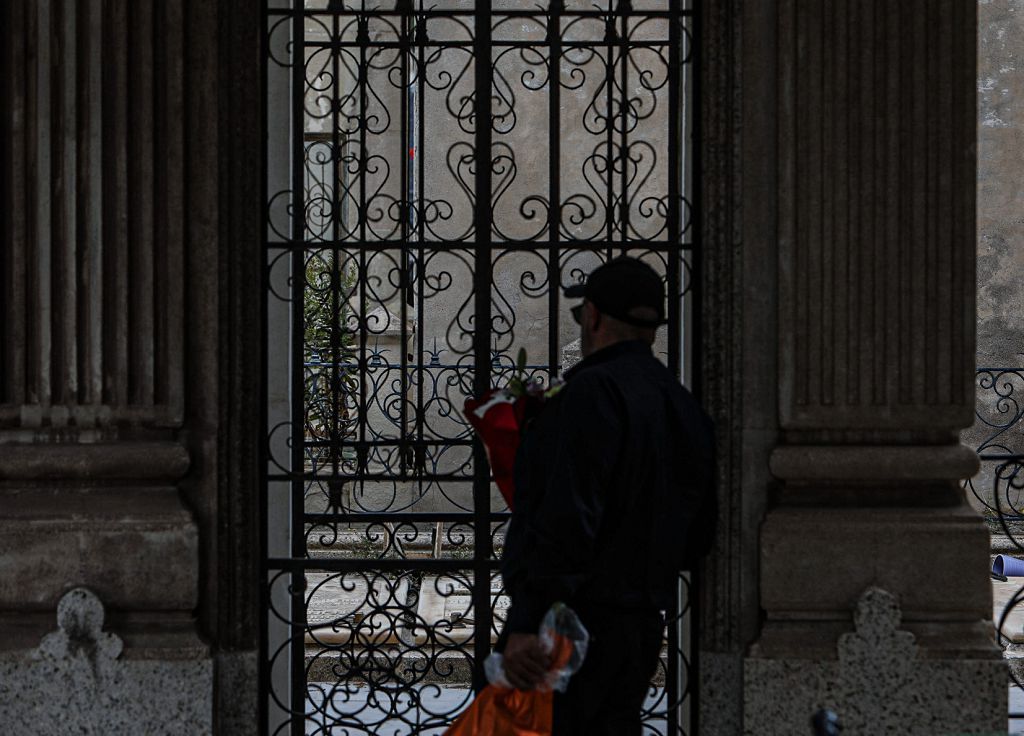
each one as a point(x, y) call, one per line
point(561, 635)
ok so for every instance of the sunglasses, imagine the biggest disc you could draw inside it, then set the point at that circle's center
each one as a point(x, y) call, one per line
point(577, 313)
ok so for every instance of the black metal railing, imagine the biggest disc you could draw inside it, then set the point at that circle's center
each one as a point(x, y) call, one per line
point(998, 436)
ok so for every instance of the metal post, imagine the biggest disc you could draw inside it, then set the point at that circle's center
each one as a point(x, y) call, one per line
point(482, 277)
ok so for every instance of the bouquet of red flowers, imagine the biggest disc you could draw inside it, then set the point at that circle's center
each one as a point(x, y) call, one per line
point(501, 414)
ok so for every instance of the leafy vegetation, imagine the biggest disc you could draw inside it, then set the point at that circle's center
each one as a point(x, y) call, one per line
point(329, 339)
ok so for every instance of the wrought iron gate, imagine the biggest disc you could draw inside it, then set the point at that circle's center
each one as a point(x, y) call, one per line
point(998, 490)
point(403, 270)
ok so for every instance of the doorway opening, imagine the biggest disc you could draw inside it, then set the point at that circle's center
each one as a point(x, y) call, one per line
point(405, 268)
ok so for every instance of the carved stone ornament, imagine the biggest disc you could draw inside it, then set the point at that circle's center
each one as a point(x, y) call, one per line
point(80, 618)
point(878, 684)
point(877, 660)
point(877, 639)
point(79, 666)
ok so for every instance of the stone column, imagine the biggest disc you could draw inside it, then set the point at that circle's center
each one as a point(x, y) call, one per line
point(93, 424)
point(873, 569)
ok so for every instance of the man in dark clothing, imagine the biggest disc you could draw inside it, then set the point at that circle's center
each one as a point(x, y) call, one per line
point(614, 495)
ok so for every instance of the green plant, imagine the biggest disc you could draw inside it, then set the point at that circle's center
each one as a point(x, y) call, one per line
point(328, 342)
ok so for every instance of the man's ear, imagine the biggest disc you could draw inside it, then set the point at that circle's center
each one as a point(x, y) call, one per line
point(595, 317)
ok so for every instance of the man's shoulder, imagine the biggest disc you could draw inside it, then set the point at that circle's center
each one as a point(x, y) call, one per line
point(595, 379)
point(642, 367)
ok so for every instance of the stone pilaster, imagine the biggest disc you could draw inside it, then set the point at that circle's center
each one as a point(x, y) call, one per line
point(94, 327)
point(876, 190)
point(732, 297)
point(876, 203)
point(93, 366)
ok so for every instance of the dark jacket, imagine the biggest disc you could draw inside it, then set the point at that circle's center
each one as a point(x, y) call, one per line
point(614, 491)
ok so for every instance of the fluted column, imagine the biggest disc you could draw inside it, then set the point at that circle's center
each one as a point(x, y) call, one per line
point(94, 269)
point(869, 547)
point(876, 231)
point(130, 262)
point(92, 368)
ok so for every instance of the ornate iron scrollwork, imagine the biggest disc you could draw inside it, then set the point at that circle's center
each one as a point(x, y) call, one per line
point(415, 152)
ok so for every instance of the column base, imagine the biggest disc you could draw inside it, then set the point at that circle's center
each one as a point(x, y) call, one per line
point(956, 696)
point(81, 678)
point(109, 517)
point(816, 562)
point(881, 681)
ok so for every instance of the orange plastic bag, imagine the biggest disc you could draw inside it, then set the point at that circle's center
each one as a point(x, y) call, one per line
point(501, 710)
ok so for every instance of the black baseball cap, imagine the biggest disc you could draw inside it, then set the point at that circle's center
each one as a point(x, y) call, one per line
point(620, 285)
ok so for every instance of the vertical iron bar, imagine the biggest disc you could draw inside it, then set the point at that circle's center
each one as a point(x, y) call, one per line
point(421, 265)
point(697, 279)
point(675, 174)
point(337, 326)
point(362, 80)
point(482, 277)
point(263, 674)
point(625, 102)
point(404, 154)
point(696, 225)
point(554, 182)
point(673, 256)
point(411, 215)
point(609, 76)
point(297, 597)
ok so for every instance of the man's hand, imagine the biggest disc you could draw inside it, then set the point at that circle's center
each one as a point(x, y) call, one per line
point(525, 661)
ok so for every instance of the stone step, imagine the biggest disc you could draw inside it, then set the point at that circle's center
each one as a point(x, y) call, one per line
point(413, 666)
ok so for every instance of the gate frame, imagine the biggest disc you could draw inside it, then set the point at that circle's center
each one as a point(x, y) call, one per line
point(482, 307)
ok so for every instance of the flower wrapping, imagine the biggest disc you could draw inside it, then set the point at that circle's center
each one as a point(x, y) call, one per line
point(499, 418)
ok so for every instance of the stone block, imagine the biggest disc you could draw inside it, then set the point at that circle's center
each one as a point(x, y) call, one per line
point(117, 541)
point(237, 693)
point(815, 562)
point(878, 682)
point(721, 710)
point(837, 464)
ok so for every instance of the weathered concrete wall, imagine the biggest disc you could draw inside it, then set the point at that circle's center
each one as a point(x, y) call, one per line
point(1000, 237)
point(1000, 185)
